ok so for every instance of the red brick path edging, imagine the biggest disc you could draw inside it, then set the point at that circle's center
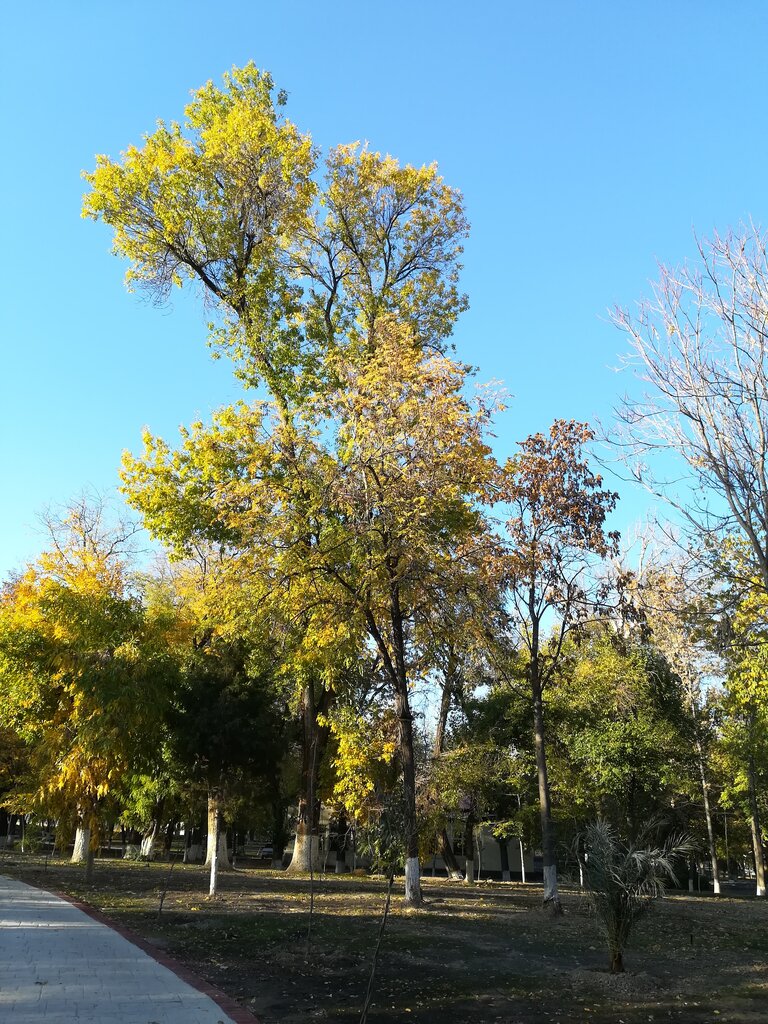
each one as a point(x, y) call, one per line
point(238, 1013)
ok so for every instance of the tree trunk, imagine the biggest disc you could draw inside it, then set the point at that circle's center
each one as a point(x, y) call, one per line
point(449, 857)
point(82, 845)
point(617, 962)
point(193, 843)
point(395, 665)
point(149, 837)
point(551, 895)
point(469, 848)
point(413, 895)
point(170, 833)
point(214, 836)
point(83, 852)
point(399, 675)
point(708, 816)
point(215, 831)
point(306, 849)
point(279, 837)
point(757, 839)
point(89, 864)
point(341, 844)
point(444, 847)
point(445, 707)
point(504, 858)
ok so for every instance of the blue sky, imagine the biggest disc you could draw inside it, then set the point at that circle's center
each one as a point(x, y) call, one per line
point(589, 140)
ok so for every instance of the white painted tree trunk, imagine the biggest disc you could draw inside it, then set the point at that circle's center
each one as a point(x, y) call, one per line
point(82, 845)
point(522, 861)
point(224, 863)
point(469, 876)
point(193, 853)
point(550, 884)
point(147, 850)
point(412, 881)
point(306, 855)
point(215, 848)
point(341, 864)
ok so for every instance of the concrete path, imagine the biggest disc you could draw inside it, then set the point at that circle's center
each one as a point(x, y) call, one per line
point(60, 966)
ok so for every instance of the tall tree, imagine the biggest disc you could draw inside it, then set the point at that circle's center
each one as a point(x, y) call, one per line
point(680, 620)
point(556, 528)
point(390, 500)
point(299, 266)
point(621, 729)
point(744, 724)
point(701, 344)
point(84, 671)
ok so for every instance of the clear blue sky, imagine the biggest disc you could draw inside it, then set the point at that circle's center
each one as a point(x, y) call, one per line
point(589, 140)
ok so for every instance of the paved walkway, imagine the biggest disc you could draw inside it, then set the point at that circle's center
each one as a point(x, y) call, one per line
point(60, 966)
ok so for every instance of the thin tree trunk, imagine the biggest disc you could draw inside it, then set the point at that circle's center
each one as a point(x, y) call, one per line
point(444, 847)
point(341, 844)
point(149, 838)
point(449, 857)
point(551, 895)
point(522, 861)
point(413, 895)
point(214, 848)
point(445, 707)
point(89, 864)
point(279, 836)
point(170, 834)
point(504, 859)
point(469, 848)
point(757, 839)
point(395, 665)
point(708, 817)
point(306, 848)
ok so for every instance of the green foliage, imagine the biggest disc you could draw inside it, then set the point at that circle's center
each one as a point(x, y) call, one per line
point(383, 836)
point(223, 721)
point(623, 734)
point(624, 879)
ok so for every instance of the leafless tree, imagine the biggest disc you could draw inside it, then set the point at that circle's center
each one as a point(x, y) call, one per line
point(701, 345)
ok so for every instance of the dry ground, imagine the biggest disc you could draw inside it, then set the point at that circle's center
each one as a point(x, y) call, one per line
point(478, 954)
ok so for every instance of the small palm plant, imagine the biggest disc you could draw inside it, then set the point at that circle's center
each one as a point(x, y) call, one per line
point(625, 879)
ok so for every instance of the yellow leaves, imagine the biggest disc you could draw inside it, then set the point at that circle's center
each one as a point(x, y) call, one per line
point(192, 201)
point(366, 748)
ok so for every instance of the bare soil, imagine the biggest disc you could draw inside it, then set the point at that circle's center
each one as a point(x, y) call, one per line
point(473, 955)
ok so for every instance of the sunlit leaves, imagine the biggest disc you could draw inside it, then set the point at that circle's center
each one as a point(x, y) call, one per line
point(296, 264)
point(82, 666)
